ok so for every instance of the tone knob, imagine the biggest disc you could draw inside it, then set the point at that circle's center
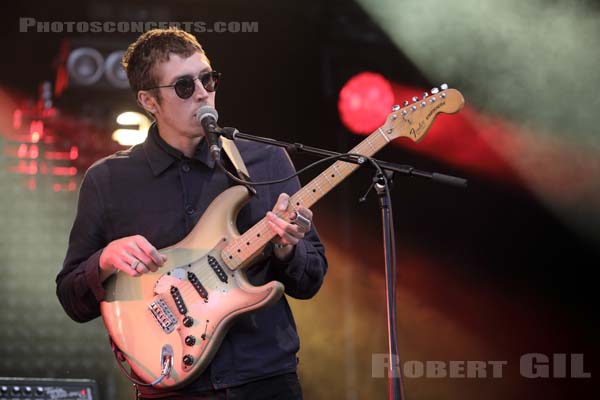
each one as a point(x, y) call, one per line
point(188, 360)
point(190, 340)
point(188, 321)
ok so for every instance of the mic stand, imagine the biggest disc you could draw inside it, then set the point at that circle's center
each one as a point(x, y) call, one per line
point(232, 134)
point(382, 187)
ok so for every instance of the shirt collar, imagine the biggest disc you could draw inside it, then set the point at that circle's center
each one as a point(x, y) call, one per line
point(161, 155)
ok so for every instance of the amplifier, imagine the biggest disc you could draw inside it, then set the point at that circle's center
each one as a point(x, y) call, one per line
point(48, 389)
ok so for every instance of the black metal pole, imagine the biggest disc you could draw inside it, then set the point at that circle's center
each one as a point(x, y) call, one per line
point(395, 388)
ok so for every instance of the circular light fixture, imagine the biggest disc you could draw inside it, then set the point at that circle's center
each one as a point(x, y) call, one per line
point(85, 65)
point(114, 72)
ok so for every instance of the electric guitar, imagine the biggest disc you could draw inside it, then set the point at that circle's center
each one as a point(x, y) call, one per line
point(169, 324)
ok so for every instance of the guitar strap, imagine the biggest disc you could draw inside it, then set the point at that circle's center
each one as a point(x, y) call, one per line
point(238, 163)
point(236, 159)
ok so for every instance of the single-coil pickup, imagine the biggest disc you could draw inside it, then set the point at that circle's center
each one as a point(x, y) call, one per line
point(197, 285)
point(178, 300)
point(163, 315)
point(214, 264)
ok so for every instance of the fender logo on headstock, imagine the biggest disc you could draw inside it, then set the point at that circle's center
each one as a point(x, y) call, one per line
point(414, 132)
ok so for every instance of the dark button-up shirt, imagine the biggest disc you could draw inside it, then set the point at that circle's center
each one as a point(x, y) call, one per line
point(155, 191)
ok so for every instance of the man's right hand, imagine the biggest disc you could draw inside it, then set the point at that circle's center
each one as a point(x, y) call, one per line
point(133, 255)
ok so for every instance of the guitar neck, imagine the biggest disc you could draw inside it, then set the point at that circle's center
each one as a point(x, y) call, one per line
point(241, 251)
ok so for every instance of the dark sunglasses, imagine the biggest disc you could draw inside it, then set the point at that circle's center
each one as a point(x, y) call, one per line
point(185, 87)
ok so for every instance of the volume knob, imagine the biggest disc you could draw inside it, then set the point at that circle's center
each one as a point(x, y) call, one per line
point(188, 360)
point(190, 340)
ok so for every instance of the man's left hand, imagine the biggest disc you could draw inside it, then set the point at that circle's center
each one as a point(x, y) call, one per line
point(288, 233)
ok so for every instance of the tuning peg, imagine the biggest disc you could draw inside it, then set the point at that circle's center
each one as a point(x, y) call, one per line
point(413, 108)
point(435, 90)
point(405, 103)
point(415, 99)
point(444, 86)
point(425, 94)
point(395, 108)
point(423, 103)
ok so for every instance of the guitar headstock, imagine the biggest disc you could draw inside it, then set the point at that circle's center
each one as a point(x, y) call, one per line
point(414, 119)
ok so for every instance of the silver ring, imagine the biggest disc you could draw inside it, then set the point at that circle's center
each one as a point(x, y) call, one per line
point(302, 221)
point(134, 265)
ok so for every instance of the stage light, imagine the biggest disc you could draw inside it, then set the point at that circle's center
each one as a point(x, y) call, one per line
point(364, 102)
point(131, 136)
point(36, 130)
point(85, 65)
point(114, 72)
point(131, 118)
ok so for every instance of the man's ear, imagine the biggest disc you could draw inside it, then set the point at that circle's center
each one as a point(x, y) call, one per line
point(147, 101)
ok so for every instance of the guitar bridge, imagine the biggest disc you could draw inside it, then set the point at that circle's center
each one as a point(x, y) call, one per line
point(163, 315)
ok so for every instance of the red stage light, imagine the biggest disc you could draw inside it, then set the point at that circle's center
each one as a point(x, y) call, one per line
point(22, 151)
point(36, 130)
point(17, 118)
point(365, 101)
point(74, 153)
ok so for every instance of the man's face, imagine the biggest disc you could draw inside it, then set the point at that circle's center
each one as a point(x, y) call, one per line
point(175, 114)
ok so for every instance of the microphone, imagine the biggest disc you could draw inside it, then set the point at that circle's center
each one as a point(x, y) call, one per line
point(208, 117)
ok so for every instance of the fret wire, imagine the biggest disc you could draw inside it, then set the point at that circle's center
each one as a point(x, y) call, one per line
point(383, 134)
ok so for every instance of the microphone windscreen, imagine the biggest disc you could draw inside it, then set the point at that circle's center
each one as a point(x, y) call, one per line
point(207, 111)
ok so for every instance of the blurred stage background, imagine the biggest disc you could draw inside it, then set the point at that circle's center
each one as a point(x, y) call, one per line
point(501, 269)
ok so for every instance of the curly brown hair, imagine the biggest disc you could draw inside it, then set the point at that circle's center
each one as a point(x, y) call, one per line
point(154, 47)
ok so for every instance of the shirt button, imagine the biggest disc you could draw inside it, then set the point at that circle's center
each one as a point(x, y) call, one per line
point(185, 167)
point(189, 210)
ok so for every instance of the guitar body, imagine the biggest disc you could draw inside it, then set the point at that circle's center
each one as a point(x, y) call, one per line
point(189, 303)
